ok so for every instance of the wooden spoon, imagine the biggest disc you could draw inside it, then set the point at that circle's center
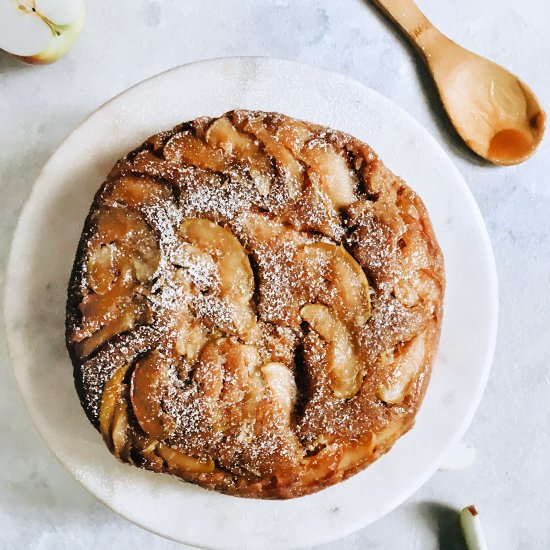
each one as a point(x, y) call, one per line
point(494, 112)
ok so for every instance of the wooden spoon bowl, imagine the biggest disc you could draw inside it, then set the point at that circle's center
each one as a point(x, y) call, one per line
point(494, 112)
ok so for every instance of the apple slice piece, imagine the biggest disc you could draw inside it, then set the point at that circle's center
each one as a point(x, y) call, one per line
point(360, 452)
point(392, 431)
point(344, 366)
point(348, 288)
point(122, 252)
point(121, 321)
point(101, 268)
point(237, 146)
point(192, 150)
point(181, 464)
point(40, 31)
point(236, 278)
point(119, 432)
point(293, 134)
point(224, 369)
point(111, 393)
point(209, 371)
point(136, 192)
point(409, 360)
point(190, 340)
point(259, 228)
point(351, 286)
point(147, 388)
point(321, 465)
point(331, 174)
point(281, 383)
point(470, 525)
point(240, 361)
point(284, 159)
point(146, 448)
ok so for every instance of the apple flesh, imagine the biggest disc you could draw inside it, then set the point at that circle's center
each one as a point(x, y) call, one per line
point(40, 31)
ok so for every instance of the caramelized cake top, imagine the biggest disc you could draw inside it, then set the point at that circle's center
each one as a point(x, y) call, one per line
point(254, 305)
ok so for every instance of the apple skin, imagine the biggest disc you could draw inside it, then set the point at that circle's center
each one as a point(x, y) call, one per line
point(59, 44)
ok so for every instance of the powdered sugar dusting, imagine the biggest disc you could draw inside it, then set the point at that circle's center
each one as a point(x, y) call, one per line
point(240, 379)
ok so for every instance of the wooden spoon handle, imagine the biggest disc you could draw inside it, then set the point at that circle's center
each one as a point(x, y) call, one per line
point(412, 21)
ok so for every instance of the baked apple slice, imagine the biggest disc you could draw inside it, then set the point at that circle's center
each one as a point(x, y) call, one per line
point(330, 173)
point(242, 149)
point(240, 362)
point(118, 322)
point(122, 254)
point(189, 149)
point(345, 283)
point(359, 453)
point(208, 372)
point(408, 359)
point(284, 160)
point(119, 432)
point(137, 192)
point(345, 369)
point(148, 385)
point(293, 135)
point(258, 228)
point(224, 370)
point(181, 464)
point(236, 280)
point(191, 339)
point(101, 268)
point(112, 392)
point(282, 387)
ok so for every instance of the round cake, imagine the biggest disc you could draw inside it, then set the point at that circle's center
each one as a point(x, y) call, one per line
point(255, 305)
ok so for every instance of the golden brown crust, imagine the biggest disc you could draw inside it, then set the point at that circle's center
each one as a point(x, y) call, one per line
point(254, 305)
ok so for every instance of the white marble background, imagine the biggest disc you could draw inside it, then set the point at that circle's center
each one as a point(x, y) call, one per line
point(42, 507)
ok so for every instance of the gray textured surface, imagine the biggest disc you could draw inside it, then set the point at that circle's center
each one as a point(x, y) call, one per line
point(41, 507)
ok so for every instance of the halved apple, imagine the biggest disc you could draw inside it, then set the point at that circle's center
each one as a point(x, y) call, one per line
point(40, 31)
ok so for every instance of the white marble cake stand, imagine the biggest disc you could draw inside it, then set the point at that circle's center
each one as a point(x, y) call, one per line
point(42, 254)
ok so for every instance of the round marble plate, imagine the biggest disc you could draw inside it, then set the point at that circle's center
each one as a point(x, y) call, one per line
point(42, 255)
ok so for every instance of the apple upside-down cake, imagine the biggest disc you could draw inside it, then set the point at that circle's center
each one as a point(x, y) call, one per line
point(254, 306)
